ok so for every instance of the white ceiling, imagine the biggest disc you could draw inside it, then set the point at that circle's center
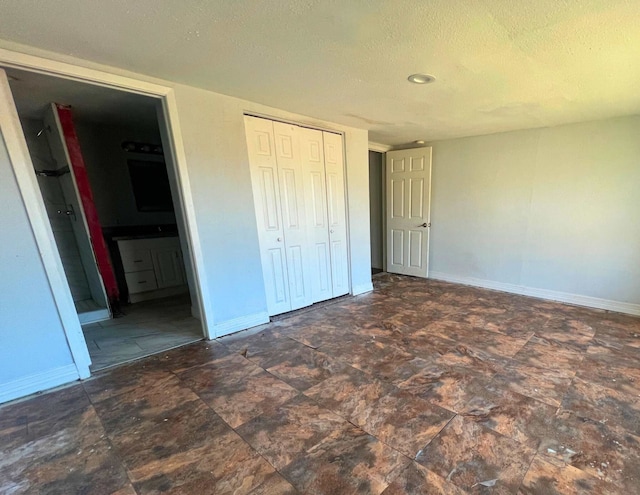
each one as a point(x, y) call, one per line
point(500, 65)
point(33, 92)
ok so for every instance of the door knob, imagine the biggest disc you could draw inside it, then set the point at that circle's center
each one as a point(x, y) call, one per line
point(331, 231)
point(425, 225)
point(279, 239)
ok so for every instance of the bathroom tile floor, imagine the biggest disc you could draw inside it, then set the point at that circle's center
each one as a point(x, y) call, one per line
point(420, 387)
point(146, 328)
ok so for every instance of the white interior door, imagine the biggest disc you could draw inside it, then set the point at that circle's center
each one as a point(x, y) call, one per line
point(266, 195)
point(336, 206)
point(315, 185)
point(408, 211)
point(294, 221)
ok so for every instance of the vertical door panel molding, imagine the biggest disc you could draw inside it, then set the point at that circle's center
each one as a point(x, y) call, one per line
point(416, 198)
point(312, 156)
point(336, 204)
point(294, 219)
point(277, 283)
point(397, 198)
point(397, 247)
point(266, 193)
point(269, 195)
point(408, 186)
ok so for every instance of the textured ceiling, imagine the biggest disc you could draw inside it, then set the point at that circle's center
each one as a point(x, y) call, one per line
point(500, 65)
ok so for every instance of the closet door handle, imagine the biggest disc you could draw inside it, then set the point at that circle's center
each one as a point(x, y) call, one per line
point(279, 239)
point(331, 231)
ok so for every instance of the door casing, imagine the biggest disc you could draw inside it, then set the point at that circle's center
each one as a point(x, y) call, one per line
point(23, 169)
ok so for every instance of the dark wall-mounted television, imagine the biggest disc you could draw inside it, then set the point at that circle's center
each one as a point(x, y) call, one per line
point(150, 184)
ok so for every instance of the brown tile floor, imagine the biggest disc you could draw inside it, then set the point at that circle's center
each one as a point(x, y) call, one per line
point(420, 387)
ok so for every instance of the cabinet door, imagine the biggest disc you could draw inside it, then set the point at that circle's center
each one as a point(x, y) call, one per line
point(167, 264)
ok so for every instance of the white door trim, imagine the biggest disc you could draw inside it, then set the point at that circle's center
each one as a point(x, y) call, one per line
point(378, 147)
point(20, 159)
point(29, 190)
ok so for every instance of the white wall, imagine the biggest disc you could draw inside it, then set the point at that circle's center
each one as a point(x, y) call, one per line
point(212, 129)
point(375, 207)
point(553, 209)
point(33, 346)
point(214, 138)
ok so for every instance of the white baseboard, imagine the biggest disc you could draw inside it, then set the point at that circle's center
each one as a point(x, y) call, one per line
point(237, 324)
point(552, 295)
point(361, 289)
point(94, 316)
point(38, 382)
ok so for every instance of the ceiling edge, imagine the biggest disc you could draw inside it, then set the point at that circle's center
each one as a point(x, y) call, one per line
point(379, 147)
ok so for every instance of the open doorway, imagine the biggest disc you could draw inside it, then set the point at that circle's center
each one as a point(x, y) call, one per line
point(146, 307)
point(376, 210)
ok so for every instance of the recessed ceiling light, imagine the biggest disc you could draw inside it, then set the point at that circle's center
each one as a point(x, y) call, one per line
point(421, 78)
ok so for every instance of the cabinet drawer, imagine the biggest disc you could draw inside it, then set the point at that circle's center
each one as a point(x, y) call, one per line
point(136, 260)
point(141, 281)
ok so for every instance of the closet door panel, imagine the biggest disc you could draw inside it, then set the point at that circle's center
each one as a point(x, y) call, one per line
point(299, 194)
point(293, 214)
point(336, 208)
point(276, 281)
point(266, 194)
point(312, 153)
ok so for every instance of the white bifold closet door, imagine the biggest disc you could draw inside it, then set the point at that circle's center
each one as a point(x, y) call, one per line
point(298, 187)
point(334, 170)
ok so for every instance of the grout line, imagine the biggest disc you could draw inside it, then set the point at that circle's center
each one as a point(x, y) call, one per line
point(509, 360)
point(533, 457)
point(106, 437)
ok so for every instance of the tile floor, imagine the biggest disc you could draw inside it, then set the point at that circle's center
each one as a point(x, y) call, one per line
point(145, 329)
point(420, 387)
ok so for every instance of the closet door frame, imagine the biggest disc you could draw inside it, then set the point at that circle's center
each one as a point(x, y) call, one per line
point(344, 176)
